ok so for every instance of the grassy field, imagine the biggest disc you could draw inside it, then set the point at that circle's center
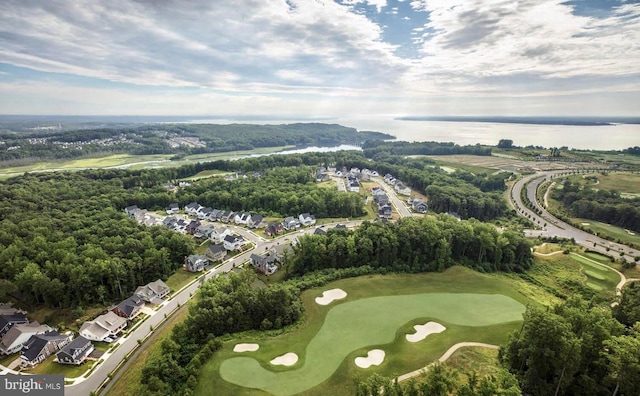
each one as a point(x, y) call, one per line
point(613, 231)
point(131, 161)
point(327, 347)
point(598, 277)
point(181, 278)
point(129, 381)
point(478, 360)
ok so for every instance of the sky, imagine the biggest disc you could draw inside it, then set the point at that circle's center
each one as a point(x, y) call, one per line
point(320, 58)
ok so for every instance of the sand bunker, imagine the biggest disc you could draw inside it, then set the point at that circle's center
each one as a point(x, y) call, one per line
point(585, 224)
point(288, 359)
point(329, 296)
point(374, 358)
point(630, 232)
point(422, 331)
point(246, 347)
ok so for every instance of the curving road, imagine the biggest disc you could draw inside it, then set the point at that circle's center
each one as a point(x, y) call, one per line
point(85, 386)
point(552, 226)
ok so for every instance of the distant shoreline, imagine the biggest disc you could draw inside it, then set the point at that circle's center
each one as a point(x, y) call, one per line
point(573, 121)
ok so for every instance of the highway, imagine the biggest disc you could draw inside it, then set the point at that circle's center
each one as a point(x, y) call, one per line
point(552, 226)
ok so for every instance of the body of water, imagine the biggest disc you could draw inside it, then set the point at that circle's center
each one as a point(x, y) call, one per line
point(600, 137)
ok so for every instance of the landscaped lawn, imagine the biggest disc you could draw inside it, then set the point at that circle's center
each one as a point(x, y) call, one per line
point(377, 313)
point(68, 370)
point(600, 276)
point(181, 278)
point(603, 229)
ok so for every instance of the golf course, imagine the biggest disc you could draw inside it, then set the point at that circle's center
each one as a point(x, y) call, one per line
point(377, 313)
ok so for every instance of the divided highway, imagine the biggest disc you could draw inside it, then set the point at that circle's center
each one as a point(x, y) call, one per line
point(552, 226)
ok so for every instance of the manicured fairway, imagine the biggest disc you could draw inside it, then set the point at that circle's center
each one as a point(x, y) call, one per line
point(363, 323)
point(599, 277)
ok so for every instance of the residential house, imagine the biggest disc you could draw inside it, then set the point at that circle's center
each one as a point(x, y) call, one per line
point(389, 179)
point(147, 218)
point(173, 208)
point(195, 263)
point(255, 221)
point(290, 223)
point(216, 252)
point(274, 229)
point(377, 191)
point(204, 213)
point(169, 222)
point(153, 292)
point(242, 218)
point(218, 234)
point(131, 210)
point(374, 174)
point(307, 219)
point(204, 231)
point(385, 212)
point(193, 226)
point(104, 326)
point(8, 321)
point(319, 231)
point(76, 352)
point(233, 242)
point(215, 214)
point(18, 335)
point(402, 189)
point(192, 208)
point(227, 216)
point(41, 346)
point(129, 308)
point(8, 309)
point(341, 226)
point(419, 206)
point(264, 264)
point(381, 200)
point(322, 176)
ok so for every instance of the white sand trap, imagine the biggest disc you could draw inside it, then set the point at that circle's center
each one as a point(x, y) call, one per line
point(246, 347)
point(422, 331)
point(374, 358)
point(585, 224)
point(329, 296)
point(630, 232)
point(288, 359)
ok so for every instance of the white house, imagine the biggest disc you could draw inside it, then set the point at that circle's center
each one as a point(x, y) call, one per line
point(18, 335)
point(242, 218)
point(218, 234)
point(233, 242)
point(307, 219)
point(104, 326)
point(402, 189)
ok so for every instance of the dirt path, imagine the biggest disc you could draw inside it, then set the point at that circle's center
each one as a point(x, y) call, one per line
point(446, 356)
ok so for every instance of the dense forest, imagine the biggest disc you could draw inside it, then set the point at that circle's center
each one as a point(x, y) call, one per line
point(581, 200)
point(379, 149)
point(414, 245)
point(575, 349)
point(180, 139)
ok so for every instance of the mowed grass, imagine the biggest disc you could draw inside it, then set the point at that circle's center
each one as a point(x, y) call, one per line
point(615, 232)
point(128, 383)
point(68, 370)
point(599, 275)
point(622, 182)
point(181, 278)
point(371, 301)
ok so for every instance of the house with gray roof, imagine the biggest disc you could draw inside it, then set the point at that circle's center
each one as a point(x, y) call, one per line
point(76, 352)
point(104, 326)
point(195, 263)
point(129, 308)
point(18, 335)
point(8, 321)
point(41, 346)
point(153, 292)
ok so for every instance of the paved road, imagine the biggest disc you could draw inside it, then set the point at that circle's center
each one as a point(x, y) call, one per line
point(84, 387)
point(398, 203)
point(552, 226)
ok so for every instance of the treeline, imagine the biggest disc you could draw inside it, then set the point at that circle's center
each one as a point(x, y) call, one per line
point(65, 242)
point(606, 206)
point(575, 348)
point(279, 192)
point(373, 149)
point(414, 245)
point(227, 304)
point(154, 139)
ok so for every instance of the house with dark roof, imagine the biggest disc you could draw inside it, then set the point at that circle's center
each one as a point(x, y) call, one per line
point(104, 326)
point(242, 218)
point(129, 308)
point(274, 229)
point(76, 352)
point(18, 335)
point(218, 233)
point(193, 226)
point(8, 309)
point(41, 346)
point(8, 321)
point(290, 223)
point(255, 220)
point(216, 252)
point(227, 216)
point(131, 210)
point(385, 212)
point(233, 242)
point(419, 206)
point(192, 208)
point(173, 208)
point(195, 263)
point(153, 292)
point(264, 264)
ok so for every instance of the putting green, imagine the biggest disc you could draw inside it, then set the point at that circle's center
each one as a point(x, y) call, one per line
point(366, 322)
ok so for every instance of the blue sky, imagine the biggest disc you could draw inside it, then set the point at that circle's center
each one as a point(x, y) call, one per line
point(320, 58)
